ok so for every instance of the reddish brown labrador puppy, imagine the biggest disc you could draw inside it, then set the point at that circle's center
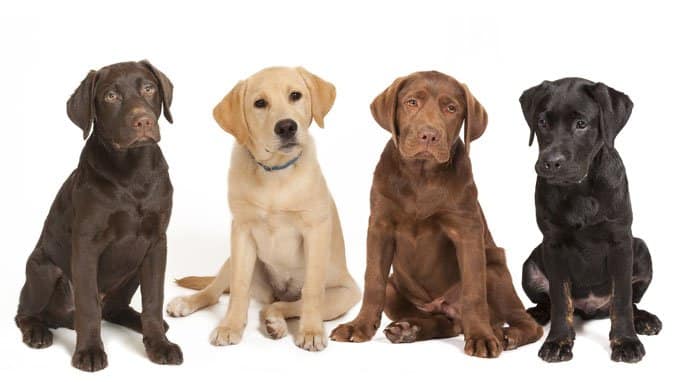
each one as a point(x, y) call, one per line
point(449, 276)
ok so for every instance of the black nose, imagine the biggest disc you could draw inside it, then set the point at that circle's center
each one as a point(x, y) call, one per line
point(553, 162)
point(285, 128)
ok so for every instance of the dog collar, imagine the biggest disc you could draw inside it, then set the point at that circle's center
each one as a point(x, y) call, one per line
point(278, 167)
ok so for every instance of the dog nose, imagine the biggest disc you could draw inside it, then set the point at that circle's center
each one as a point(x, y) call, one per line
point(428, 135)
point(143, 122)
point(553, 162)
point(285, 128)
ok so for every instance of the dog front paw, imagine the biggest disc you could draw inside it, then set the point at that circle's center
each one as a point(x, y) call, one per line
point(484, 346)
point(311, 339)
point(628, 350)
point(180, 306)
point(556, 350)
point(402, 332)
point(354, 331)
point(163, 352)
point(92, 359)
point(223, 335)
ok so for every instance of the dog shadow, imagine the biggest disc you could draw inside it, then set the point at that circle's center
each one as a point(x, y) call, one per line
point(65, 339)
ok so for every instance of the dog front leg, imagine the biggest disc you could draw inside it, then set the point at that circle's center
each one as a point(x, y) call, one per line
point(467, 234)
point(243, 257)
point(152, 275)
point(624, 341)
point(557, 347)
point(316, 242)
point(380, 249)
point(89, 354)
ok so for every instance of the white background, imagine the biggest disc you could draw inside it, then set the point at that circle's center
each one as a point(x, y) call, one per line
point(498, 49)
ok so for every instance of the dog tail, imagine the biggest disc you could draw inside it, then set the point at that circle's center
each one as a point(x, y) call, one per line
point(195, 282)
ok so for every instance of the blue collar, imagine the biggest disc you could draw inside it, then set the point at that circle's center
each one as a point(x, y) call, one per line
point(279, 167)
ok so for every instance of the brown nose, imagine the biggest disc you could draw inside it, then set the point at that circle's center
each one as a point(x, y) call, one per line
point(143, 122)
point(428, 135)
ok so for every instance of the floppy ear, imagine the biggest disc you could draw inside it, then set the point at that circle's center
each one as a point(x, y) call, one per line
point(80, 106)
point(166, 88)
point(230, 113)
point(529, 102)
point(384, 108)
point(323, 95)
point(475, 120)
point(615, 109)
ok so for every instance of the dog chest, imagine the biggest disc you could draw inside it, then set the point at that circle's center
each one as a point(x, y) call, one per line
point(278, 243)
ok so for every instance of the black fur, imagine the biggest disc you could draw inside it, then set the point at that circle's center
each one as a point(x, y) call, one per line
point(589, 263)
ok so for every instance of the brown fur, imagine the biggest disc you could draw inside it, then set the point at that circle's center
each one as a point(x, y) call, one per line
point(427, 225)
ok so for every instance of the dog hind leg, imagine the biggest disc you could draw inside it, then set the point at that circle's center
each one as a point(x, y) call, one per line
point(42, 277)
point(506, 306)
point(536, 286)
point(212, 289)
point(645, 322)
point(411, 324)
point(337, 301)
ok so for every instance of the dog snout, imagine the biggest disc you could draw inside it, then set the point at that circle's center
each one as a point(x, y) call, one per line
point(143, 122)
point(552, 163)
point(428, 135)
point(285, 128)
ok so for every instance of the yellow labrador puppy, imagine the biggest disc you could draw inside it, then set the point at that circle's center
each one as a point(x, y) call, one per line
point(287, 249)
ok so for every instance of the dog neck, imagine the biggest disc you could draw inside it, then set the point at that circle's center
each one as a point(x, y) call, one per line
point(276, 167)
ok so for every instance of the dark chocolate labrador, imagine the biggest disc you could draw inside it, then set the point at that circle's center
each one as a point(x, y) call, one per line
point(449, 277)
point(589, 263)
point(105, 232)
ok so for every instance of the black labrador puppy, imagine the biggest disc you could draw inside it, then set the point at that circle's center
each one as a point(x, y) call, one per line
point(589, 263)
point(105, 232)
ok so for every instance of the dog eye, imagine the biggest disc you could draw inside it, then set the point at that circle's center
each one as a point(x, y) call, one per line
point(542, 123)
point(581, 124)
point(294, 96)
point(260, 103)
point(110, 96)
point(451, 108)
point(149, 89)
point(412, 102)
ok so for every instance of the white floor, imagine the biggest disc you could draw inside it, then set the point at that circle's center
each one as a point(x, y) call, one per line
point(258, 357)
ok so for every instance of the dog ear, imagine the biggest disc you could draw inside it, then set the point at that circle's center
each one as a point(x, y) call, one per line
point(384, 108)
point(80, 106)
point(529, 102)
point(322, 92)
point(615, 109)
point(166, 88)
point(475, 120)
point(230, 113)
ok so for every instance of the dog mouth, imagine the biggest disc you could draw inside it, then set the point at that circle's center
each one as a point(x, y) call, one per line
point(426, 154)
point(288, 147)
point(565, 180)
point(140, 141)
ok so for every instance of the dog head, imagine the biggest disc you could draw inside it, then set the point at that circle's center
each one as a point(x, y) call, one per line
point(572, 119)
point(425, 111)
point(270, 112)
point(124, 102)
